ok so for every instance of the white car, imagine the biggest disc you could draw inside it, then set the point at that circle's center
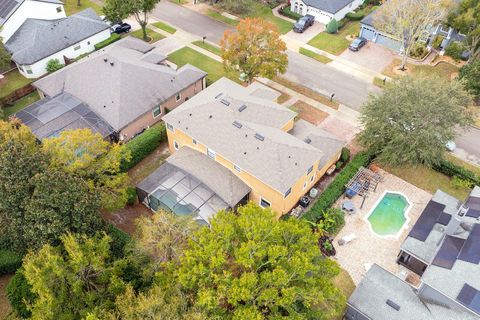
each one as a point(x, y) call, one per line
point(451, 146)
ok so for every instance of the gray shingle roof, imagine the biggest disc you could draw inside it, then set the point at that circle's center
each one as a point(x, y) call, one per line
point(8, 7)
point(117, 84)
point(278, 158)
point(37, 39)
point(331, 6)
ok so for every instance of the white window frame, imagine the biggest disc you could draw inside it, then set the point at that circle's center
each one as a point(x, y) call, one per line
point(170, 127)
point(77, 47)
point(175, 145)
point(28, 70)
point(59, 9)
point(305, 185)
point(178, 97)
point(212, 154)
point(264, 200)
point(286, 194)
point(237, 168)
point(159, 109)
point(194, 141)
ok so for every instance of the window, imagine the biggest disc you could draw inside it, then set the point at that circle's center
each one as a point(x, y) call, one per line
point(88, 43)
point(264, 203)
point(211, 153)
point(178, 97)
point(310, 170)
point(175, 145)
point(77, 47)
point(156, 111)
point(312, 178)
point(194, 141)
point(305, 185)
point(20, 68)
point(237, 168)
point(169, 127)
point(59, 9)
point(28, 70)
point(287, 193)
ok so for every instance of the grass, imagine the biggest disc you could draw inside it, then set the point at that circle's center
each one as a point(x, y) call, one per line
point(378, 82)
point(154, 36)
point(309, 113)
point(442, 69)
point(459, 162)
point(430, 180)
point(165, 27)
point(208, 46)
point(213, 67)
point(312, 94)
point(314, 55)
point(71, 6)
point(179, 1)
point(283, 97)
point(266, 13)
point(335, 43)
point(14, 81)
point(218, 16)
point(20, 104)
point(345, 284)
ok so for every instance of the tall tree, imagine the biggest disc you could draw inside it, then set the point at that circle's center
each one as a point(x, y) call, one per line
point(413, 119)
point(470, 75)
point(95, 160)
point(255, 49)
point(466, 19)
point(408, 20)
point(74, 280)
point(251, 266)
point(117, 10)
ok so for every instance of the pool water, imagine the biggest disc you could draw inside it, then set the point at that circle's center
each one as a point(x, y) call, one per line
point(388, 216)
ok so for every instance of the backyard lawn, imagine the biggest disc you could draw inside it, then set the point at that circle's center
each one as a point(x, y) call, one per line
point(208, 46)
point(14, 81)
point(154, 36)
point(213, 67)
point(344, 282)
point(20, 104)
point(335, 43)
point(164, 27)
point(71, 6)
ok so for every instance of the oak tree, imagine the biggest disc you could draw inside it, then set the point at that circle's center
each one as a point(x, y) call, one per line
point(466, 19)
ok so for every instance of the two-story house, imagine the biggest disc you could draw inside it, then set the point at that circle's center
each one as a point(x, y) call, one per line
point(255, 139)
point(128, 86)
point(325, 10)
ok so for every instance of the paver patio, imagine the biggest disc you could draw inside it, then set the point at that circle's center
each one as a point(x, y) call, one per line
point(368, 247)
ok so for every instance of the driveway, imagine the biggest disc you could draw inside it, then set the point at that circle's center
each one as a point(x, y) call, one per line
point(468, 145)
point(308, 34)
point(372, 56)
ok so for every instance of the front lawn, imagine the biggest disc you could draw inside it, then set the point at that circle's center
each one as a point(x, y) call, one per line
point(336, 43)
point(209, 47)
point(154, 36)
point(266, 13)
point(314, 55)
point(442, 69)
point(218, 16)
point(164, 27)
point(71, 6)
point(213, 67)
point(20, 104)
point(14, 80)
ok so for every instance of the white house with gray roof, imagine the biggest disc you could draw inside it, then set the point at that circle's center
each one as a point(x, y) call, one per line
point(325, 10)
point(13, 13)
point(38, 41)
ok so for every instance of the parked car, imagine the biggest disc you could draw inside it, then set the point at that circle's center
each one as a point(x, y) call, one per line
point(303, 23)
point(451, 146)
point(120, 28)
point(357, 44)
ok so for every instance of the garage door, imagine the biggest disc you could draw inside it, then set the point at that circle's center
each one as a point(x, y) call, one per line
point(367, 33)
point(388, 42)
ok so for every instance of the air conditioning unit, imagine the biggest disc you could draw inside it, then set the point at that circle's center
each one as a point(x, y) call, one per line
point(462, 210)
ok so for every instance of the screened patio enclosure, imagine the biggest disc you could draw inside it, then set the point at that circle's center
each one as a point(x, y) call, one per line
point(190, 183)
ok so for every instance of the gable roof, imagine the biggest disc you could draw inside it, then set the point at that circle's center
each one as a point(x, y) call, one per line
point(118, 84)
point(247, 131)
point(8, 7)
point(37, 39)
point(331, 6)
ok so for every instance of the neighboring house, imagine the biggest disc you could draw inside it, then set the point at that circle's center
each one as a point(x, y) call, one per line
point(443, 248)
point(371, 33)
point(126, 85)
point(13, 13)
point(38, 41)
point(325, 10)
point(256, 139)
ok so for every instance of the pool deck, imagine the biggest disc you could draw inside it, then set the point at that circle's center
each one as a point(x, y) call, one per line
point(368, 247)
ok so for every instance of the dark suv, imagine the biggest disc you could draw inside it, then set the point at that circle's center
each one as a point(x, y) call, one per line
point(121, 27)
point(357, 44)
point(303, 23)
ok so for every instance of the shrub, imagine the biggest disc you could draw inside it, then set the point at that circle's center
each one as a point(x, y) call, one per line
point(338, 164)
point(452, 170)
point(144, 144)
point(418, 51)
point(469, 74)
point(455, 50)
point(54, 65)
point(9, 261)
point(345, 155)
point(132, 196)
point(285, 11)
point(356, 16)
point(336, 187)
point(119, 240)
point(332, 220)
point(332, 26)
point(437, 42)
point(102, 44)
point(19, 294)
point(460, 183)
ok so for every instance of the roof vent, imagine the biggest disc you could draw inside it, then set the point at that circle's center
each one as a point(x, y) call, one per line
point(218, 95)
point(259, 136)
point(237, 124)
point(245, 152)
point(307, 140)
point(111, 63)
point(392, 304)
point(243, 107)
point(190, 114)
point(225, 102)
point(210, 117)
point(105, 59)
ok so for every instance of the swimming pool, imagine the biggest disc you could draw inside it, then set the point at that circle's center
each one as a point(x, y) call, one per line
point(389, 215)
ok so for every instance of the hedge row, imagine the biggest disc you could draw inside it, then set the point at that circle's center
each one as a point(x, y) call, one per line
point(337, 187)
point(102, 44)
point(144, 144)
point(9, 261)
point(356, 16)
point(285, 11)
point(450, 169)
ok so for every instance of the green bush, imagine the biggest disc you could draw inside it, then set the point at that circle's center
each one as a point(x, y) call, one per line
point(332, 26)
point(460, 183)
point(9, 261)
point(338, 164)
point(19, 294)
point(345, 155)
point(132, 196)
point(356, 16)
point(285, 11)
point(54, 65)
point(437, 42)
point(418, 50)
point(332, 220)
point(452, 170)
point(114, 37)
point(144, 144)
point(119, 240)
point(337, 187)
point(455, 50)
point(469, 75)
